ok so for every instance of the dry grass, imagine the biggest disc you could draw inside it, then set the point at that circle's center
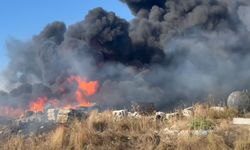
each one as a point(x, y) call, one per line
point(243, 143)
point(206, 111)
point(102, 131)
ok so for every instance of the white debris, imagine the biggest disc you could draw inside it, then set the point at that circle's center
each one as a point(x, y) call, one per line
point(171, 115)
point(35, 117)
point(217, 108)
point(120, 113)
point(201, 132)
point(241, 121)
point(175, 132)
point(159, 115)
point(188, 112)
point(52, 114)
point(63, 115)
point(134, 115)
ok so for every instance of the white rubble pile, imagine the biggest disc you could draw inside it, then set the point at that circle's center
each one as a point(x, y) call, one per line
point(134, 115)
point(175, 132)
point(188, 112)
point(35, 117)
point(120, 114)
point(171, 115)
point(64, 115)
point(241, 121)
point(160, 115)
point(218, 108)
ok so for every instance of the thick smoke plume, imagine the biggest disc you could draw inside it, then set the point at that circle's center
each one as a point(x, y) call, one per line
point(173, 52)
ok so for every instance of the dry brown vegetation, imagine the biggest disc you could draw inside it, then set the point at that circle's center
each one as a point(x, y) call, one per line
point(101, 131)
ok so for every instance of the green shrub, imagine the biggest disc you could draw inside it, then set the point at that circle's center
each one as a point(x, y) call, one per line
point(201, 123)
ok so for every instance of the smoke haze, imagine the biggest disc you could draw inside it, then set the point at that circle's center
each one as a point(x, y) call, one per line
point(173, 52)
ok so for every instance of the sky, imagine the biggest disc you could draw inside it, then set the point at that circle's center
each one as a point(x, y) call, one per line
point(21, 19)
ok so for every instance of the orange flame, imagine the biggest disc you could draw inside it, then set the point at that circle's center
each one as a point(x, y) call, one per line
point(84, 89)
point(38, 105)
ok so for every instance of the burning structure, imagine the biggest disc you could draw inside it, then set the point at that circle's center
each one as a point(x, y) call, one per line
point(172, 52)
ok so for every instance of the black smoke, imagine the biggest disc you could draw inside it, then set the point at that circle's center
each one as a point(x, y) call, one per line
point(174, 52)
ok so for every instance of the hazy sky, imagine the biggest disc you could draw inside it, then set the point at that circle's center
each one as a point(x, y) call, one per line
point(21, 19)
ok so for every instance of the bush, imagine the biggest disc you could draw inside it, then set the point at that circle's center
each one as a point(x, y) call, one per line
point(201, 123)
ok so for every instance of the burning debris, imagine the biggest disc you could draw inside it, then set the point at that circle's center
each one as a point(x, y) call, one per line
point(157, 57)
point(75, 98)
point(173, 53)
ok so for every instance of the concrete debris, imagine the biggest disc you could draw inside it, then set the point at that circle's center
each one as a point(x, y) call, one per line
point(63, 115)
point(175, 132)
point(201, 132)
point(241, 121)
point(160, 116)
point(120, 113)
point(171, 115)
point(34, 117)
point(52, 114)
point(134, 115)
point(217, 108)
point(67, 115)
point(188, 112)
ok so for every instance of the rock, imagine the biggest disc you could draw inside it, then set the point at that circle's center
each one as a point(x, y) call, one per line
point(201, 132)
point(239, 101)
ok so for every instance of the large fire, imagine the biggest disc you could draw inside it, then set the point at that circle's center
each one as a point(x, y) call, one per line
point(38, 105)
point(84, 89)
